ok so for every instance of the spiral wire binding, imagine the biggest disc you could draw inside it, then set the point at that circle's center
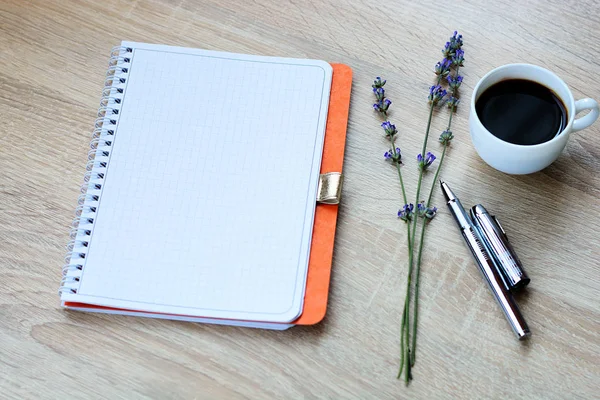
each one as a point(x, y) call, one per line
point(98, 158)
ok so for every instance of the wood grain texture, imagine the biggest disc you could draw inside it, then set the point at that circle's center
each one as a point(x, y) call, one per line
point(52, 62)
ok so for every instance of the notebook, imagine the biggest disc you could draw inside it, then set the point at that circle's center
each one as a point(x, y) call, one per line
point(199, 201)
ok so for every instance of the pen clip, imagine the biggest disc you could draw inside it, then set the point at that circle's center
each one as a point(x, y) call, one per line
point(499, 225)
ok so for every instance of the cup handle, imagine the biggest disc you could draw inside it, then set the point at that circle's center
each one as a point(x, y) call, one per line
point(584, 122)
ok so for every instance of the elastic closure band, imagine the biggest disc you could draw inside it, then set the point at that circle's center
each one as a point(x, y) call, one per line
point(329, 190)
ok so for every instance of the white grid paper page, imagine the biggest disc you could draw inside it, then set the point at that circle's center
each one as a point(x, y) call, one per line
point(208, 202)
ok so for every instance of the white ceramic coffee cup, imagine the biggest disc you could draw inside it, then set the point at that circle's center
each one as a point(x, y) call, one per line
point(525, 159)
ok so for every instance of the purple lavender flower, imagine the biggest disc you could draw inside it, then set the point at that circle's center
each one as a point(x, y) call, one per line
point(382, 106)
point(446, 137)
point(443, 67)
point(389, 128)
point(426, 212)
point(436, 93)
point(458, 58)
point(430, 212)
point(454, 82)
point(387, 125)
point(378, 83)
point(379, 93)
point(406, 213)
point(395, 157)
point(388, 155)
point(425, 162)
point(453, 102)
point(456, 41)
point(448, 51)
point(429, 158)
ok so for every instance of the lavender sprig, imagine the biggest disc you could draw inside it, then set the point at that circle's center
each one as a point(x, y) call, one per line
point(394, 154)
point(453, 60)
point(382, 106)
point(445, 139)
point(436, 95)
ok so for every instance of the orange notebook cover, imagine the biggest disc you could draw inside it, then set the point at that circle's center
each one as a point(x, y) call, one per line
point(321, 252)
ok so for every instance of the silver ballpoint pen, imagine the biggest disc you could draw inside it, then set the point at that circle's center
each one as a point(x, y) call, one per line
point(486, 264)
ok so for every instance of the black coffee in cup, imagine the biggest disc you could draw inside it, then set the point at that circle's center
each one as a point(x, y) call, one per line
point(521, 111)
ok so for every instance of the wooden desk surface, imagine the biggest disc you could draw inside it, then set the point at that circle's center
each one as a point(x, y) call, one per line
point(52, 63)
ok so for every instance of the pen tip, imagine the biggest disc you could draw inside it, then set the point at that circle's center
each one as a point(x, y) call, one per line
point(448, 195)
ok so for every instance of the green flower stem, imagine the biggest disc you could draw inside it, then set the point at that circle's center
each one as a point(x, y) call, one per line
point(450, 119)
point(418, 266)
point(408, 375)
point(401, 346)
point(405, 323)
point(406, 313)
point(437, 172)
point(399, 171)
point(406, 353)
point(421, 169)
point(404, 326)
point(428, 126)
point(401, 182)
point(404, 329)
point(416, 304)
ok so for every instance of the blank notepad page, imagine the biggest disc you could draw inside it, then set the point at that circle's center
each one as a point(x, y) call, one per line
point(208, 201)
